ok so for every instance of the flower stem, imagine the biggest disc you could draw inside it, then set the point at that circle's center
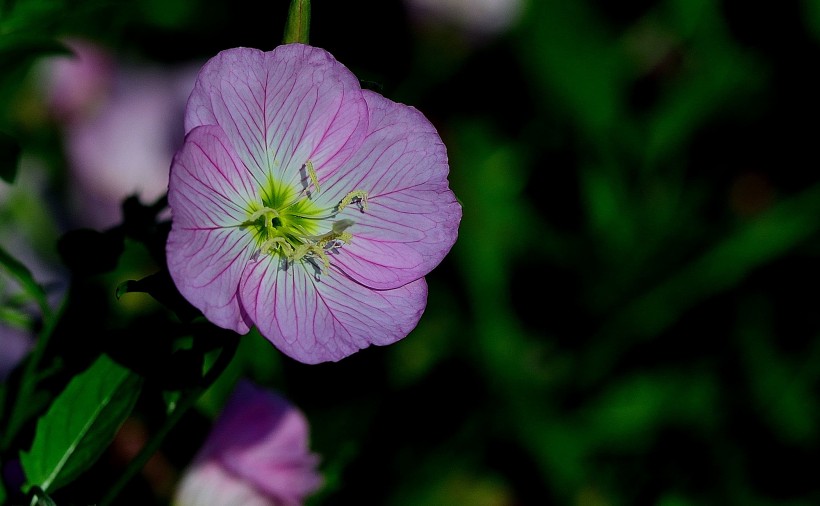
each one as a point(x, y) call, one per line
point(188, 400)
point(30, 376)
point(297, 27)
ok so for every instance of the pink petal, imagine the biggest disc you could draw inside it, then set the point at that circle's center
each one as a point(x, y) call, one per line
point(209, 484)
point(281, 108)
point(262, 439)
point(206, 248)
point(412, 217)
point(327, 318)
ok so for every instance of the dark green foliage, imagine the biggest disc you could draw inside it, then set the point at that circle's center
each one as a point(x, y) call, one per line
point(627, 317)
point(80, 424)
point(9, 157)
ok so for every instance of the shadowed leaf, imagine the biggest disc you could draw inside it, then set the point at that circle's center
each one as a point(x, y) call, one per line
point(80, 424)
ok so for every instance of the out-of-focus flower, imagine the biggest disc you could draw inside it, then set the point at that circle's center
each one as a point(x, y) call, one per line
point(121, 124)
point(75, 85)
point(306, 205)
point(257, 454)
point(481, 17)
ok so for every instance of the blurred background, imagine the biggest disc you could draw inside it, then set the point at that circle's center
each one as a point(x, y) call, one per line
point(628, 316)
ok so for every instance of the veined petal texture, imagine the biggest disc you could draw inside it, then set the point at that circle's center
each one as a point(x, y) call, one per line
point(330, 317)
point(281, 108)
point(306, 206)
point(412, 217)
point(207, 250)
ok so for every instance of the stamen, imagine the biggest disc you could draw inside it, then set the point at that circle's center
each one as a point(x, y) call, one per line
point(286, 231)
point(269, 245)
point(358, 196)
point(312, 174)
point(304, 249)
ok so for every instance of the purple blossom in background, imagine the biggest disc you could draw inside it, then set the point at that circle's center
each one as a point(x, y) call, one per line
point(305, 205)
point(256, 455)
point(121, 123)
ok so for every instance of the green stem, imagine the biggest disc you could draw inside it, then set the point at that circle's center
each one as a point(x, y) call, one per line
point(29, 379)
point(188, 400)
point(297, 27)
point(23, 276)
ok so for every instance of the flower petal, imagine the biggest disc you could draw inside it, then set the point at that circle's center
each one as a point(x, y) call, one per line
point(281, 108)
point(326, 318)
point(206, 249)
point(412, 216)
point(263, 439)
point(209, 484)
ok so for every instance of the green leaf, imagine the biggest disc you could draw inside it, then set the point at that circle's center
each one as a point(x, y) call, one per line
point(17, 48)
point(9, 156)
point(42, 498)
point(19, 272)
point(80, 424)
point(22, 16)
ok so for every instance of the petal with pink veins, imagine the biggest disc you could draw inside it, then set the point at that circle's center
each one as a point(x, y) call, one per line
point(412, 216)
point(281, 108)
point(325, 317)
point(207, 249)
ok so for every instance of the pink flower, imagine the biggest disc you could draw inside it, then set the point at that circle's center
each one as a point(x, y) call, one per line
point(305, 205)
point(256, 455)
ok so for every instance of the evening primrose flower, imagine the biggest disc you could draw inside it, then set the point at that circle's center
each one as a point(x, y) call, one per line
point(256, 455)
point(306, 206)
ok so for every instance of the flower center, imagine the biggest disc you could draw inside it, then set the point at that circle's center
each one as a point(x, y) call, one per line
point(288, 224)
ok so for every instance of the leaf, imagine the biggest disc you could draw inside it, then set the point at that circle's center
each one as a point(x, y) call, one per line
point(18, 52)
point(9, 156)
point(19, 272)
point(42, 498)
point(80, 424)
point(26, 46)
point(31, 15)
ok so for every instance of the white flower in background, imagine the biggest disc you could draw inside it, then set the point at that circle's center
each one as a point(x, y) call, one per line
point(482, 17)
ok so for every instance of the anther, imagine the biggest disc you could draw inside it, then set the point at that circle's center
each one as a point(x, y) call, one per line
point(312, 174)
point(357, 196)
